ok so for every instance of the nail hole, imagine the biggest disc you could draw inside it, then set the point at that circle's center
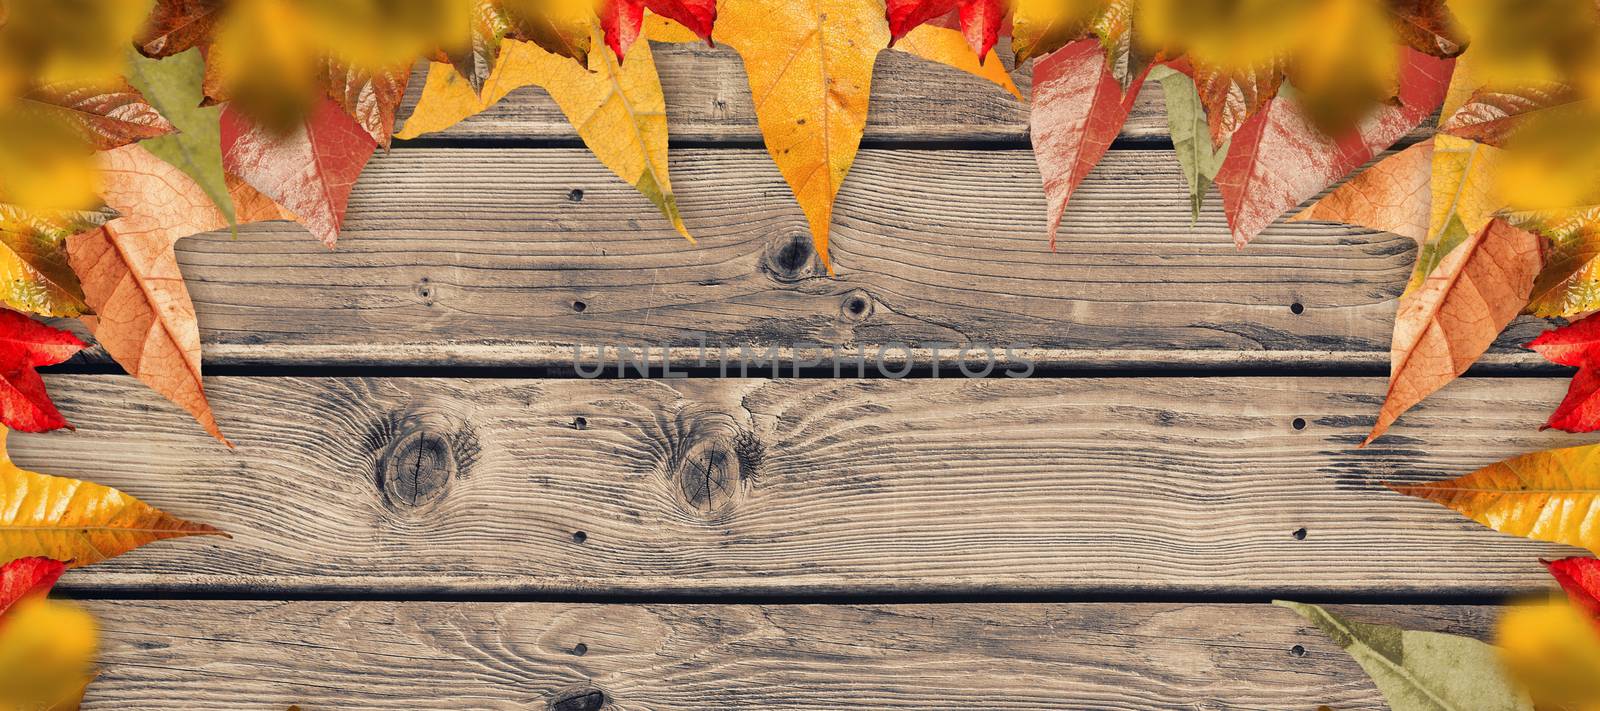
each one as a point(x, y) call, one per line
point(1298, 651)
point(1299, 423)
point(579, 306)
point(575, 195)
point(579, 423)
point(1297, 308)
point(580, 649)
point(1300, 534)
point(579, 536)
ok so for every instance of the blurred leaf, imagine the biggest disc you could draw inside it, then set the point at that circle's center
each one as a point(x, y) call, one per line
point(1421, 671)
point(1345, 64)
point(1553, 651)
point(47, 651)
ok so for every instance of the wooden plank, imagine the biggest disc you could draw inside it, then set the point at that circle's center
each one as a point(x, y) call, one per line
point(949, 486)
point(359, 656)
point(708, 101)
point(513, 257)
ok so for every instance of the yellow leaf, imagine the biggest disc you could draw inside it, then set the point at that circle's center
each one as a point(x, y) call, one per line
point(949, 47)
point(1553, 651)
point(1039, 27)
point(618, 109)
point(1552, 495)
point(809, 64)
point(1463, 199)
point(47, 650)
point(76, 521)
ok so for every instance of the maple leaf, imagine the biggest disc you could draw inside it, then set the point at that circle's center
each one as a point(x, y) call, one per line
point(1580, 577)
point(1391, 196)
point(1078, 110)
point(618, 110)
point(1552, 650)
point(621, 19)
point(1279, 159)
point(1186, 123)
point(1444, 324)
point(309, 171)
point(1577, 345)
point(980, 19)
point(130, 275)
point(174, 85)
point(27, 578)
point(26, 344)
point(1418, 670)
point(1551, 495)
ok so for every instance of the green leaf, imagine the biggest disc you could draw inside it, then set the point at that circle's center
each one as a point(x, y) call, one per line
point(1422, 671)
point(173, 86)
point(1191, 138)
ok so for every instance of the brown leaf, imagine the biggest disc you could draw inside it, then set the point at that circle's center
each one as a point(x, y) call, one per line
point(177, 25)
point(130, 274)
point(1232, 97)
point(1453, 317)
point(369, 97)
point(106, 117)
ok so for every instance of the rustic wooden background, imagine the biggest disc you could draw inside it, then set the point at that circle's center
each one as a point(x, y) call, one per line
point(429, 511)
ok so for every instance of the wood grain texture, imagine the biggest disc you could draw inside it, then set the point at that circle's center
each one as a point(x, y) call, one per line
point(360, 656)
point(512, 257)
point(1170, 486)
point(914, 101)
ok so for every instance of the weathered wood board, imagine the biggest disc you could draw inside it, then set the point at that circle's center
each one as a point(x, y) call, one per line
point(513, 257)
point(1132, 486)
point(361, 656)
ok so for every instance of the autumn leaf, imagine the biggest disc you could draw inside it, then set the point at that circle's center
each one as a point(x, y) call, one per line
point(33, 259)
point(1418, 670)
point(1186, 123)
point(309, 171)
point(1449, 320)
point(1462, 201)
point(810, 71)
point(174, 85)
point(26, 344)
point(1279, 159)
point(1545, 496)
point(980, 19)
point(620, 20)
point(370, 96)
point(1580, 577)
point(105, 117)
point(27, 578)
point(145, 319)
point(1492, 115)
point(1576, 345)
point(78, 522)
point(618, 109)
point(1392, 196)
point(1553, 652)
point(1039, 27)
point(1570, 282)
point(47, 651)
point(1078, 110)
point(946, 46)
point(176, 26)
point(1427, 26)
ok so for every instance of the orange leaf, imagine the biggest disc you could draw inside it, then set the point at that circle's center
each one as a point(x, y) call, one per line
point(1453, 317)
point(1391, 196)
point(130, 275)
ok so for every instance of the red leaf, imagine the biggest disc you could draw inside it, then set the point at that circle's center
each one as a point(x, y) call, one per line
point(309, 172)
point(1278, 159)
point(980, 19)
point(1078, 109)
point(26, 344)
point(1578, 345)
point(1580, 577)
point(26, 577)
point(621, 19)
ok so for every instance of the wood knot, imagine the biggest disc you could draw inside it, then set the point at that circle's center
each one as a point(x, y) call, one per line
point(711, 462)
point(417, 454)
point(585, 698)
point(856, 306)
point(791, 259)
